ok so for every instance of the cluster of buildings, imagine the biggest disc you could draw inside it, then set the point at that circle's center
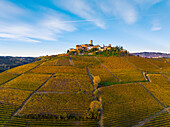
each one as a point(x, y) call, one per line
point(88, 47)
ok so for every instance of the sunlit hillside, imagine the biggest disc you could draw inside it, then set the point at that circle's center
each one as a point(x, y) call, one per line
point(88, 91)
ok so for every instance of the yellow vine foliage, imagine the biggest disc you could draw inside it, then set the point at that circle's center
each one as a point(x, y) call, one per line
point(95, 106)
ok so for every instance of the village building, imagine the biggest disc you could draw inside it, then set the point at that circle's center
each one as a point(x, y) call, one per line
point(88, 47)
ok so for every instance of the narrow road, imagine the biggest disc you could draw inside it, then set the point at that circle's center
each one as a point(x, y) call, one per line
point(153, 64)
point(165, 77)
point(146, 120)
point(14, 88)
point(131, 64)
point(153, 96)
point(71, 61)
point(101, 114)
point(91, 78)
point(24, 102)
point(46, 92)
point(107, 69)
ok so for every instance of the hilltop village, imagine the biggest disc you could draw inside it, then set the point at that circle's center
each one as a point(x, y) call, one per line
point(90, 49)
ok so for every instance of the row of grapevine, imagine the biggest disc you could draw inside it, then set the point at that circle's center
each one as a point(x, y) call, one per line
point(45, 69)
point(68, 83)
point(127, 104)
point(84, 61)
point(58, 69)
point(121, 69)
point(6, 111)
point(160, 88)
point(13, 97)
point(63, 62)
point(4, 77)
point(161, 64)
point(142, 64)
point(57, 104)
point(23, 68)
point(72, 70)
point(105, 75)
point(50, 62)
point(27, 81)
point(46, 122)
point(116, 64)
point(163, 120)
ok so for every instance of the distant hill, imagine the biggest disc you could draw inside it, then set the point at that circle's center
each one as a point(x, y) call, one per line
point(8, 62)
point(152, 54)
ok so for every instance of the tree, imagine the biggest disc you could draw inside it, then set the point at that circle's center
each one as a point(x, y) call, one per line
point(95, 106)
point(96, 81)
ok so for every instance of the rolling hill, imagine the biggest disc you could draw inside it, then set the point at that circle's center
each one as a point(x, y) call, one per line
point(87, 91)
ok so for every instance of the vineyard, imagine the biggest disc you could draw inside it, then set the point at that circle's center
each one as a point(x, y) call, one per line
point(68, 83)
point(72, 70)
point(142, 64)
point(127, 104)
point(29, 122)
point(159, 86)
point(45, 70)
point(22, 69)
point(13, 97)
point(58, 104)
point(27, 81)
point(124, 71)
point(162, 121)
point(99, 70)
point(63, 62)
point(86, 91)
point(5, 77)
point(84, 61)
point(50, 62)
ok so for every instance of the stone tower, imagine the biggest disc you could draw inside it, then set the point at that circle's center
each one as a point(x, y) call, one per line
point(91, 42)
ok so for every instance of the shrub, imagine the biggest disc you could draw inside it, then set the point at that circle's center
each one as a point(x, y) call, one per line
point(96, 80)
point(95, 106)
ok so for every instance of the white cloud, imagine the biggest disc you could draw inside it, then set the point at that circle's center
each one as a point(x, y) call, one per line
point(125, 10)
point(120, 9)
point(9, 10)
point(98, 10)
point(147, 1)
point(83, 9)
point(156, 26)
point(4, 35)
point(48, 27)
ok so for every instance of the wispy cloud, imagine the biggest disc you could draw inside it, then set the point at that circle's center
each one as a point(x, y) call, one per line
point(51, 24)
point(47, 28)
point(9, 10)
point(83, 9)
point(98, 10)
point(124, 10)
point(156, 26)
point(149, 2)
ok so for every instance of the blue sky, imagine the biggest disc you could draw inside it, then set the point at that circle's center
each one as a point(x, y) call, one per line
point(46, 27)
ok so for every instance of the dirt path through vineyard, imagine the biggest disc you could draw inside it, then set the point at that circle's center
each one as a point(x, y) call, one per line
point(102, 114)
point(146, 120)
